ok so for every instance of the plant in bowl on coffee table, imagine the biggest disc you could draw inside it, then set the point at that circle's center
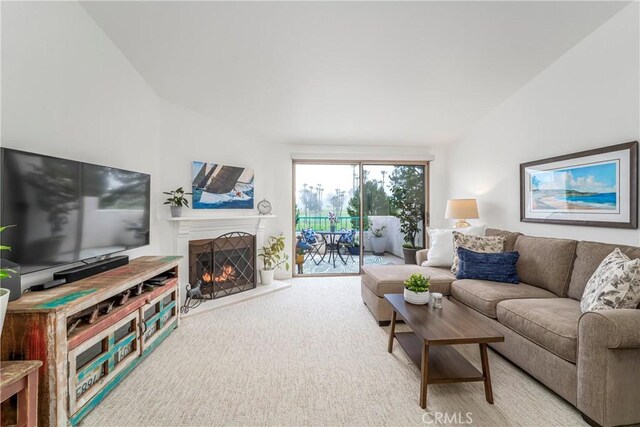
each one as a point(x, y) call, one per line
point(416, 289)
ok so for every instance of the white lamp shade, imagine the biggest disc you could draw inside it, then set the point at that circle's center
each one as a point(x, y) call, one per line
point(461, 209)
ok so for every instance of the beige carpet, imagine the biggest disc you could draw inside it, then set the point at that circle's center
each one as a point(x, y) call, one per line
point(309, 355)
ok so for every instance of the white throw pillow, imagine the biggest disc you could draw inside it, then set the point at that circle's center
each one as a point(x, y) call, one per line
point(441, 244)
point(615, 284)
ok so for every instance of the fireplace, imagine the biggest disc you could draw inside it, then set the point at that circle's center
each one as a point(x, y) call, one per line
point(222, 266)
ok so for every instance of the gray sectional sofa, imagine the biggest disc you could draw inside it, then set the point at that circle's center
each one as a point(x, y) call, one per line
point(592, 360)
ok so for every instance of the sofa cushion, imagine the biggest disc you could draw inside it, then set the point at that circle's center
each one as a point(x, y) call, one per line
point(546, 263)
point(510, 237)
point(589, 255)
point(484, 295)
point(389, 279)
point(551, 323)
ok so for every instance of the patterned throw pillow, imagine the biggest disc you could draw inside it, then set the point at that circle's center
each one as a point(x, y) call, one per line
point(486, 244)
point(309, 236)
point(615, 284)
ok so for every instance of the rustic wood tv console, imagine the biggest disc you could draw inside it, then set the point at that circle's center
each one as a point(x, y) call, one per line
point(90, 334)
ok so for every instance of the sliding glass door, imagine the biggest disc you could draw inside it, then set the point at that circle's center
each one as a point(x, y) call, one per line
point(350, 214)
point(393, 211)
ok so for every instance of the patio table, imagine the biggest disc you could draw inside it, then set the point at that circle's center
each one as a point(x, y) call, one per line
point(331, 240)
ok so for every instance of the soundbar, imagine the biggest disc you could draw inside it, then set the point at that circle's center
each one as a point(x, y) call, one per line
point(77, 273)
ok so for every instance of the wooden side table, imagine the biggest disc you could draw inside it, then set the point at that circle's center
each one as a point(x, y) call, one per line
point(21, 378)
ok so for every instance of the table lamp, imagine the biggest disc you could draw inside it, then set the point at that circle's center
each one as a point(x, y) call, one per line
point(461, 209)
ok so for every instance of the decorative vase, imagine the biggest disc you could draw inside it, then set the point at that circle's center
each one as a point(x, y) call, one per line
point(409, 255)
point(176, 211)
point(332, 228)
point(4, 300)
point(266, 276)
point(378, 245)
point(417, 298)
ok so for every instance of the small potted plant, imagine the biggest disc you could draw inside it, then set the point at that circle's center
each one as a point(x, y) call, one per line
point(176, 201)
point(4, 293)
point(273, 256)
point(378, 241)
point(333, 221)
point(416, 289)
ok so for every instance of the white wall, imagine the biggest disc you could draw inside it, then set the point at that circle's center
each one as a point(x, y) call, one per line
point(588, 98)
point(67, 91)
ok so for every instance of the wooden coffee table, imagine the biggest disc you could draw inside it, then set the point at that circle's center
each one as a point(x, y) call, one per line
point(435, 330)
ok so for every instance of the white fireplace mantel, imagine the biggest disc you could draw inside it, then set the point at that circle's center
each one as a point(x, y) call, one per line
point(209, 227)
point(204, 227)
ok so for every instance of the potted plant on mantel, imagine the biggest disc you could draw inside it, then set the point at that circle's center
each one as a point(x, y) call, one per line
point(378, 241)
point(273, 256)
point(176, 201)
point(416, 289)
point(4, 293)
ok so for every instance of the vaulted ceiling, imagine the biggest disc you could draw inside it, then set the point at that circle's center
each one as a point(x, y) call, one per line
point(401, 73)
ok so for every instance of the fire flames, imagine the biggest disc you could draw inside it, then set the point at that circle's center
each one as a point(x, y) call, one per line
point(227, 273)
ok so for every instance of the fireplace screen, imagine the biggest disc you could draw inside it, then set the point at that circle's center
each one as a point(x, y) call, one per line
point(222, 266)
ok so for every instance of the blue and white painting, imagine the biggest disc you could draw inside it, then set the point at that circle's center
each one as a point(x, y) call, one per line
point(217, 186)
point(589, 188)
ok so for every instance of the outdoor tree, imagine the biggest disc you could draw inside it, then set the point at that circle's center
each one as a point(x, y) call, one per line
point(376, 202)
point(407, 200)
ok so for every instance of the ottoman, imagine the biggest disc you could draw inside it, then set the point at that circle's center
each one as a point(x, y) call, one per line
point(377, 280)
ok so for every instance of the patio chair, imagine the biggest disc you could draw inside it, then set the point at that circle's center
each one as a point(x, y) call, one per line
point(348, 242)
point(312, 245)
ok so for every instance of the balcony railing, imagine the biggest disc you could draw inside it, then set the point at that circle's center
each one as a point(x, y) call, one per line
point(321, 223)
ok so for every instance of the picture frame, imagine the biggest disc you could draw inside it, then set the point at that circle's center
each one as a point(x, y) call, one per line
point(593, 188)
point(219, 186)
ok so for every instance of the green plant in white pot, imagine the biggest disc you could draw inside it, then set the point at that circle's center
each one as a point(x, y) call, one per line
point(176, 201)
point(273, 256)
point(4, 293)
point(416, 289)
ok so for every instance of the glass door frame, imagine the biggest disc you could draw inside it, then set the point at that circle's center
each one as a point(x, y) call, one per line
point(360, 164)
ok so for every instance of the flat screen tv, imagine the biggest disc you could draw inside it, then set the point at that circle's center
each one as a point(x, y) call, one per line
point(63, 211)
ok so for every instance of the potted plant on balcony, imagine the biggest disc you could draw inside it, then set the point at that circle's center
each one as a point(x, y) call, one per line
point(408, 201)
point(176, 201)
point(4, 293)
point(273, 256)
point(333, 221)
point(378, 241)
point(416, 289)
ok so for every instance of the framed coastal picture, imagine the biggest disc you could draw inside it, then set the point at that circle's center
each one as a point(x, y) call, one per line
point(217, 186)
point(596, 188)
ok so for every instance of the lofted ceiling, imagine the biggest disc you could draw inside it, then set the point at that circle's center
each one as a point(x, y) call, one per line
point(403, 73)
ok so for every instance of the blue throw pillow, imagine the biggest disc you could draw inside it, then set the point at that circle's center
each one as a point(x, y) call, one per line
point(497, 267)
point(309, 236)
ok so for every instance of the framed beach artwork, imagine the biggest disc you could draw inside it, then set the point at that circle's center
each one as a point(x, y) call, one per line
point(217, 186)
point(596, 188)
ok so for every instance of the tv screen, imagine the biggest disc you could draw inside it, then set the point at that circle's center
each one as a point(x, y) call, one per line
point(63, 211)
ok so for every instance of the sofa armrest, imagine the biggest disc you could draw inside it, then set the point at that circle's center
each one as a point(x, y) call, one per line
point(608, 367)
point(613, 328)
point(421, 256)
